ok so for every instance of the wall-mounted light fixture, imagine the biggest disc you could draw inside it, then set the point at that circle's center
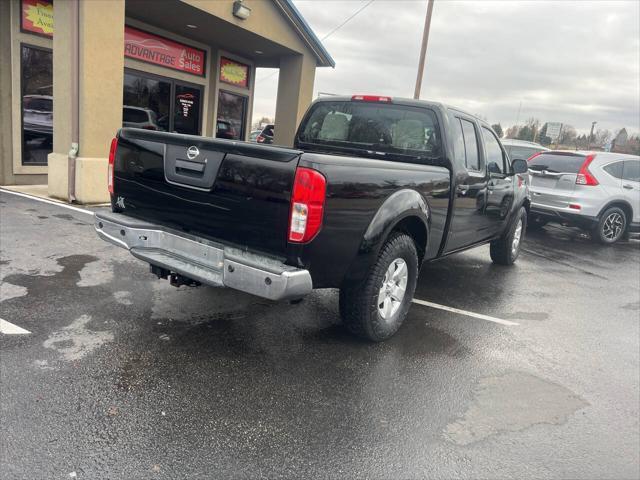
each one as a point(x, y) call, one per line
point(240, 10)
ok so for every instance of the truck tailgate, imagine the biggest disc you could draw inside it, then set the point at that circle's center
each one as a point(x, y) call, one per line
point(230, 191)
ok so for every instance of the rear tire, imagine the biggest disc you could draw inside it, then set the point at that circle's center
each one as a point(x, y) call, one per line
point(506, 249)
point(611, 227)
point(375, 308)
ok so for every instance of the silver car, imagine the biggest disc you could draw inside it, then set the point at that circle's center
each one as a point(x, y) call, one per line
point(597, 191)
point(521, 149)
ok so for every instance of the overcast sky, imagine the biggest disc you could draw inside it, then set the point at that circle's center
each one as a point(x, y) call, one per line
point(570, 62)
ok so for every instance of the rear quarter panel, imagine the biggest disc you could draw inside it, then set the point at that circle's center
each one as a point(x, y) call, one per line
point(357, 189)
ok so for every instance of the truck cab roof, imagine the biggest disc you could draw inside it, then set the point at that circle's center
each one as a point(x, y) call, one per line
point(410, 102)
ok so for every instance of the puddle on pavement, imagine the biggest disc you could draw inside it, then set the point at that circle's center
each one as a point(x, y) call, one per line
point(511, 403)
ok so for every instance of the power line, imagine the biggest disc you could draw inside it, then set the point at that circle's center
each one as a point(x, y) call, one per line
point(348, 19)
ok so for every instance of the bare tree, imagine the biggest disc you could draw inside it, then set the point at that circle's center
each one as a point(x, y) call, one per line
point(512, 132)
point(603, 136)
point(568, 135)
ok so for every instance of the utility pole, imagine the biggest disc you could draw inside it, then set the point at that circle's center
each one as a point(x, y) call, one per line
point(423, 50)
point(593, 124)
point(518, 116)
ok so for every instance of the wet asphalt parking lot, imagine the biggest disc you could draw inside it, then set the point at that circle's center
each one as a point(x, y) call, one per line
point(124, 376)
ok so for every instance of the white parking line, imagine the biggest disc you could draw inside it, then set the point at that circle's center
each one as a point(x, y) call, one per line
point(11, 329)
point(50, 202)
point(465, 312)
point(5, 326)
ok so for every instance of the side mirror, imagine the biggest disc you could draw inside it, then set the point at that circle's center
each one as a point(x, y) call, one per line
point(520, 166)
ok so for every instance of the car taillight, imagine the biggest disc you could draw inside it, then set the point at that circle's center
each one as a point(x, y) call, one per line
point(307, 205)
point(370, 98)
point(585, 177)
point(534, 156)
point(112, 158)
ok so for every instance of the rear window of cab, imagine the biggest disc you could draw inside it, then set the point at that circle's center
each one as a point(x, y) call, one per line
point(375, 129)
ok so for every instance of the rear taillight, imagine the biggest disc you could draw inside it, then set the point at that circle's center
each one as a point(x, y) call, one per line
point(585, 177)
point(307, 205)
point(534, 156)
point(370, 98)
point(112, 158)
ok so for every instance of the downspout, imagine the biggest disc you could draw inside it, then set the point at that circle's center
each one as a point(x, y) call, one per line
point(75, 112)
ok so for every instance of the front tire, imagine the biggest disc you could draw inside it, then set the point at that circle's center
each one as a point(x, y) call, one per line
point(506, 249)
point(611, 226)
point(375, 308)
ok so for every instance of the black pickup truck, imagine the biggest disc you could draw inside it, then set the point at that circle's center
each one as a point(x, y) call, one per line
point(373, 188)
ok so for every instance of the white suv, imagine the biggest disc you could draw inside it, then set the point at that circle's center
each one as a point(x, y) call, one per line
point(597, 191)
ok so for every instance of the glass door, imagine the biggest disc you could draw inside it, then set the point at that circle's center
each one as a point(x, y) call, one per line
point(186, 112)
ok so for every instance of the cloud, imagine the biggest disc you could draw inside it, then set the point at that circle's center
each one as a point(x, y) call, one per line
point(571, 62)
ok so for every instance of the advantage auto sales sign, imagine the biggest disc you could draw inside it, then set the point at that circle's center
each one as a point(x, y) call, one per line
point(161, 51)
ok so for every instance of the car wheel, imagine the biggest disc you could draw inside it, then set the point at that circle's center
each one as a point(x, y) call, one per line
point(611, 226)
point(375, 308)
point(536, 223)
point(506, 249)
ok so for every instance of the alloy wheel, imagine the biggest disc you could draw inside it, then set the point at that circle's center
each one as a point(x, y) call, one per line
point(394, 286)
point(517, 236)
point(613, 226)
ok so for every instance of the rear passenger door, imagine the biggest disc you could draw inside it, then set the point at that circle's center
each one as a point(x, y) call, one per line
point(469, 223)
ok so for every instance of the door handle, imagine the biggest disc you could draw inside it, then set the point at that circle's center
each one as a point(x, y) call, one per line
point(193, 166)
point(462, 189)
point(628, 187)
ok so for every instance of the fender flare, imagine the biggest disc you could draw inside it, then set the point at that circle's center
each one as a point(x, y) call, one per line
point(396, 208)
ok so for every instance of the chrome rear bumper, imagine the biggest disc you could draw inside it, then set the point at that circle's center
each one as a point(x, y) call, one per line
point(207, 262)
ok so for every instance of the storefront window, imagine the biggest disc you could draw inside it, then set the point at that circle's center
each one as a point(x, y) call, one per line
point(232, 110)
point(37, 104)
point(146, 103)
point(157, 103)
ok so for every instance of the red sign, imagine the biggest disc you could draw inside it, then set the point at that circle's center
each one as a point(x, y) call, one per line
point(234, 73)
point(37, 17)
point(162, 51)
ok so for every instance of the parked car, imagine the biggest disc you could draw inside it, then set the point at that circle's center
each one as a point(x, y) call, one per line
point(597, 191)
point(522, 148)
point(266, 136)
point(373, 188)
point(38, 117)
point(254, 135)
point(224, 129)
point(138, 117)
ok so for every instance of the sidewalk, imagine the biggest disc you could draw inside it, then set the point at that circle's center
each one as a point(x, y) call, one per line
point(40, 191)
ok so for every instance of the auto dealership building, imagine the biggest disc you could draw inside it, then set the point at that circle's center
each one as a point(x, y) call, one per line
point(74, 71)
